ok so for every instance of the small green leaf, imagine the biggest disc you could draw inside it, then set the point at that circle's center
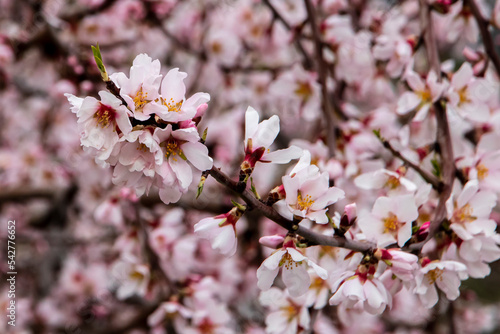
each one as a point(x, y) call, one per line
point(204, 135)
point(200, 186)
point(98, 60)
point(240, 207)
point(376, 132)
point(436, 170)
point(253, 189)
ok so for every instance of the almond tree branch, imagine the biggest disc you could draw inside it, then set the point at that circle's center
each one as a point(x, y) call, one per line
point(268, 211)
point(298, 44)
point(443, 130)
point(428, 177)
point(483, 24)
point(322, 70)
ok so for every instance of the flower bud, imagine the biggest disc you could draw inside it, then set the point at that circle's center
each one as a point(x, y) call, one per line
point(423, 231)
point(272, 241)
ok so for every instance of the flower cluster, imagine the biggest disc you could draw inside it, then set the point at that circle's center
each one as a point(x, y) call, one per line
point(148, 131)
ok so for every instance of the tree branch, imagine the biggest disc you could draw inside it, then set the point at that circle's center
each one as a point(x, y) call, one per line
point(322, 70)
point(483, 24)
point(428, 177)
point(298, 44)
point(268, 211)
point(443, 130)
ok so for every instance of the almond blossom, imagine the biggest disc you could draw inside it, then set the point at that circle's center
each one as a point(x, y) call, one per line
point(181, 149)
point(308, 193)
point(422, 96)
point(390, 220)
point(220, 231)
point(172, 105)
point(469, 211)
point(101, 122)
point(142, 86)
point(469, 96)
point(258, 139)
point(445, 275)
point(295, 269)
point(288, 314)
point(362, 290)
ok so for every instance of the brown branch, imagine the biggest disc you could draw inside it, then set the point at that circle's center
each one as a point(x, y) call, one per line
point(428, 177)
point(313, 238)
point(298, 44)
point(22, 195)
point(483, 24)
point(443, 130)
point(81, 12)
point(322, 70)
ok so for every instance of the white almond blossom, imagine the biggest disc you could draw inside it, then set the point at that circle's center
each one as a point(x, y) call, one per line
point(295, 270)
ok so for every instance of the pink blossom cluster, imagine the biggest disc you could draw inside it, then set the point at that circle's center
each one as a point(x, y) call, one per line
point(147, 132)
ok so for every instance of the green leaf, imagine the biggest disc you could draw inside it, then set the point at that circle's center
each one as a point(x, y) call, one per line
point(376, 132)
point(253, 189)
point(204, 135)
point(436, 168)
point(200, 186)
point(240, 207)
point(98, 60)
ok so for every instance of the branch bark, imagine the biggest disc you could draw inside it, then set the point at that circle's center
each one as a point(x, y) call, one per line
point(443, 130)
point(268, 211)
point(483, 25)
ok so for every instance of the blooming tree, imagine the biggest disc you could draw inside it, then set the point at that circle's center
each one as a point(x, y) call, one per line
point(251, 166)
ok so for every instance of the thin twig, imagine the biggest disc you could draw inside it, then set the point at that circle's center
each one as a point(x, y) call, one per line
point(443, 130)
point(313, 238)
point(322, 70)
point(483, 24)
point(307, 60)
point(428, 177)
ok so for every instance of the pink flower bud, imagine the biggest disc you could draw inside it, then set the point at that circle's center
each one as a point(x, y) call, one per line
point(471, 55)
point(423, 231)
point(272, 241)
point(350, 212)
point(200, 111)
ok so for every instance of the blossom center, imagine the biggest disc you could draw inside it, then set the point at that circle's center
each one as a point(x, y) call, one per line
point(304, 203)
point(142, 147)
point(140, 99)
point(392, 182)
point(425, 96)
point(104, 115)
point(303, 90)
point(462, 95)
point(173, 148)
point(482, 172)
point(288, 262)
point(433, 275)
point(391, 223)
point(463, 215)
point(291, 311)
point(206, 327)
point(171, 104)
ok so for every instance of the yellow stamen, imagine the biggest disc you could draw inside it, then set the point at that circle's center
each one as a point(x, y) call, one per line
point(462, 94)
point(140, 99)
point(391, 223)
point(433, 275)
point(303, 90)
point(425, 96)
point(482, 172)
point(392, 182)
point(171, 104)
point(463, 215)
point(288, 262)
point(304, 203)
